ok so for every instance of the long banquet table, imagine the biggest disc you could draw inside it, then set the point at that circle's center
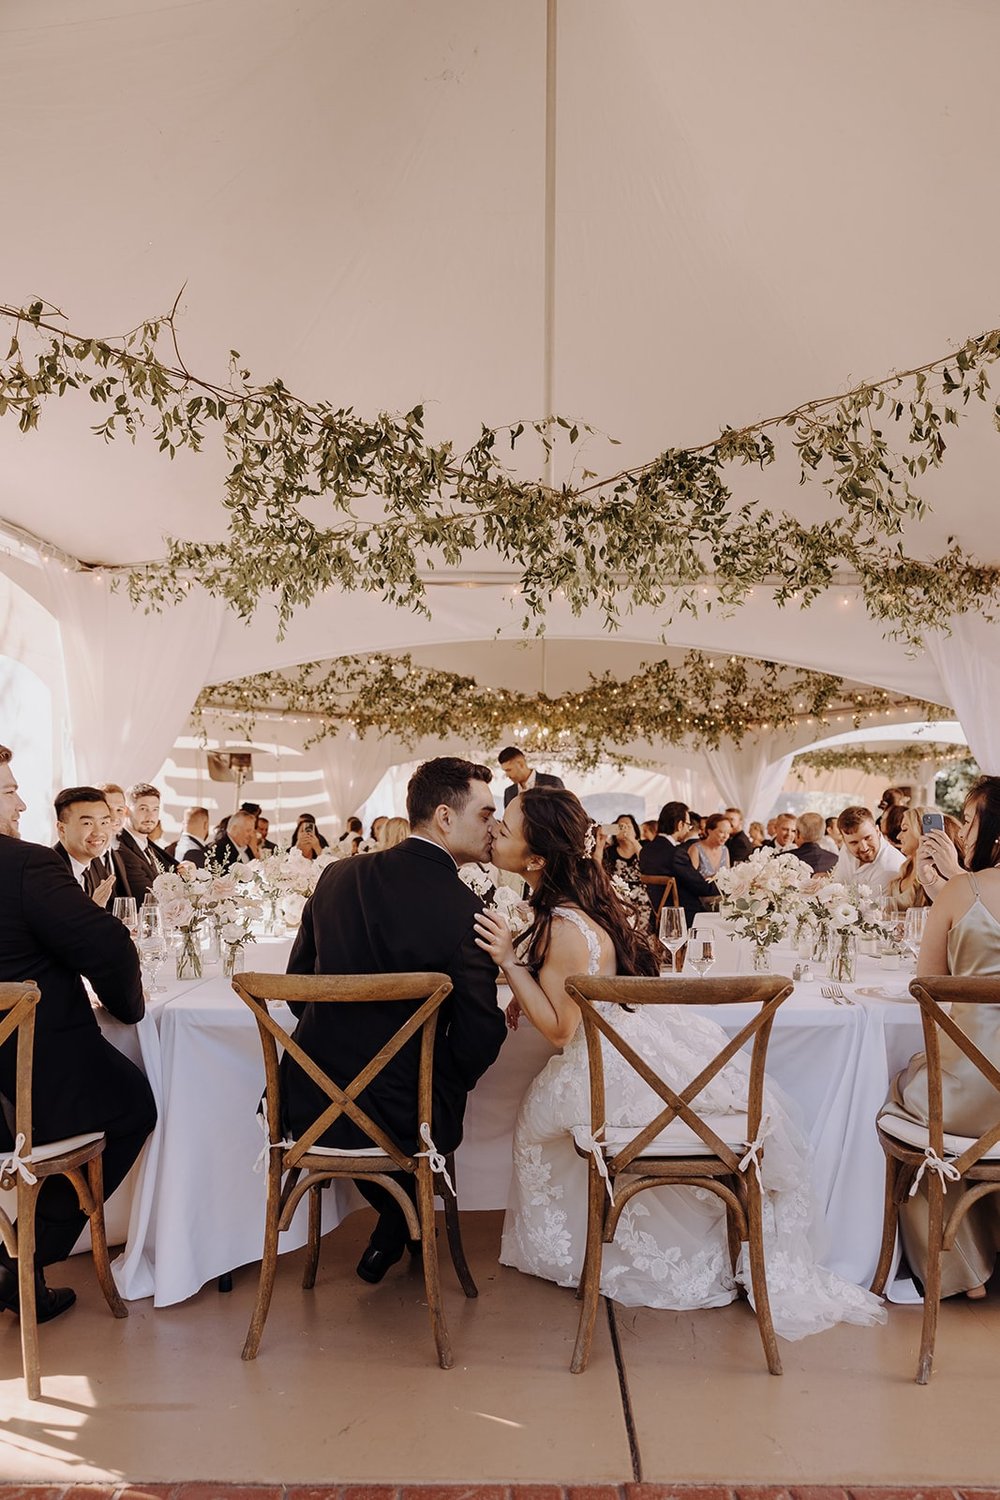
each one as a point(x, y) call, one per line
point(196, 1207)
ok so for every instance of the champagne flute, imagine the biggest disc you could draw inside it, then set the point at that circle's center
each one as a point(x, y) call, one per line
point(152, 945)
point(124, 910)
point(913, 930)
point(673, 932)
point(701, 953)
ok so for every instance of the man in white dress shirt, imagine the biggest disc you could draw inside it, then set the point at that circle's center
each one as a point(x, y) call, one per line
point(866, 856)
point(520, 775)
point(83, 823)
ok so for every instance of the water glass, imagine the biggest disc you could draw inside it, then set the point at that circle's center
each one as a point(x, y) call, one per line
point(124, 910)
point(152, 945)
point(673, 932)
point(701, 953)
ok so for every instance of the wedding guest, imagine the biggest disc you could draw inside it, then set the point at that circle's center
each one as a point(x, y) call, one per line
point(893, 796)
point(647, 830)
point(310, 819)
point(772, 824)
point(866, 855)
point(83, 823)
point(377, 825)
point(709, 854)
point(962, 936)
point(52, 933)
point(355, 831)
point(404, 909)
point(238, 845)
point(307, 839)
point(907, 889)
point(392, 832)
point(192, 845)
point(665, 855)
point(111, 863)
point(786, 832)
point(808, 832)
point(142, 857)
point(621, 863)
point(514, 765)
point(892, 822)
point(832, 838)
point(739, 846)
point(756, 834)
point(264, 844)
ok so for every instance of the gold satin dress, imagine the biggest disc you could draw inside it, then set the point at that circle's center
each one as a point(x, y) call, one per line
point(971, 1105)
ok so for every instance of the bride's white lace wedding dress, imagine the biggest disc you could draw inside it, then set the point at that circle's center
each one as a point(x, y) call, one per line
point(670, 1248)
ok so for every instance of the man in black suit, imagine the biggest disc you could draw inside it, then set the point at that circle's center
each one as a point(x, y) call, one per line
point(83, 823)
point(739, 846)
point(111, 862)
point(391, 912)
point(809, 830)
point(192, 845)
point(143, 860)
point(51, 932)
point(238, 845)
point(666, 855)
point(515, 766)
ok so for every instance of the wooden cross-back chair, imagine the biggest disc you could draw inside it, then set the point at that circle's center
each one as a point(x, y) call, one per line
point(931, 1151)
point(666, 886)
point(680, 1146)
point(27, 1168)
point(306, 1166)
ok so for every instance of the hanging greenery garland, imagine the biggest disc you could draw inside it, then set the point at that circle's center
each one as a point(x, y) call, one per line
point(399, 506)
point(892, 765)
point(698, 704)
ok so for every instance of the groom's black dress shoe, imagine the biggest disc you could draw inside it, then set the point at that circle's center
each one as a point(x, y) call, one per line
point(50, 1301)
point(374, 1263)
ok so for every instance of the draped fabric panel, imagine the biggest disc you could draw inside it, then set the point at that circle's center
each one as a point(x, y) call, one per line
point(749, 777)
point(969, 663)
point(353, 765)
point(131, 678)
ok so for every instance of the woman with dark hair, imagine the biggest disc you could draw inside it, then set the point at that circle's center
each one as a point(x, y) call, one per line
point(961, 936)
point(621, 861)
point(709, 854)
point(670, 1249)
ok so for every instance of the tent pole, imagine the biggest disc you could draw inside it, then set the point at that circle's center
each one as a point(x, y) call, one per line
point(549, 316)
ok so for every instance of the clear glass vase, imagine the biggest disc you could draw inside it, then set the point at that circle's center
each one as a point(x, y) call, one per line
point(844, 958)
point(232, 959)
point(189, 956)
point(762, 958)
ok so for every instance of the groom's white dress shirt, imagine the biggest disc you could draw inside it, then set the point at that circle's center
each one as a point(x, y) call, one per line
point(883, 868)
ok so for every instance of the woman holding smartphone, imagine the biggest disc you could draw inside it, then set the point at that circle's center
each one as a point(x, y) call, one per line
point(920, 825)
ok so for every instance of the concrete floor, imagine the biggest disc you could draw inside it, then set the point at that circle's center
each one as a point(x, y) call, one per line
point(346, 1389)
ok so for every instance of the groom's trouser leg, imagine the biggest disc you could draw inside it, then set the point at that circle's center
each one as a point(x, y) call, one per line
point(391, 1232)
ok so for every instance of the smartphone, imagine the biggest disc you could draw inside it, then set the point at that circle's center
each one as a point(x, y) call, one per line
point(610, 830)
point(932, 822)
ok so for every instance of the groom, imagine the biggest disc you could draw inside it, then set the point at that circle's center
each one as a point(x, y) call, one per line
point(395, 911)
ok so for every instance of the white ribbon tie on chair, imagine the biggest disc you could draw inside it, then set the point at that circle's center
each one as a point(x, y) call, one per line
point(945, 1169)
point(268, 1146)
point(594, 1144)
point(16, 1163)
point(754, 1149)
point(438, 1163)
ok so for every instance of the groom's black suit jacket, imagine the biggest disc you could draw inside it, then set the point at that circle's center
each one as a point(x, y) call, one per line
point(398, 910)
point(139, 871)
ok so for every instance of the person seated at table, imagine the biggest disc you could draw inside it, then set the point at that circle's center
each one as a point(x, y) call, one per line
point(647, 831)
point(709, 854)
point(83, 823)
point(832, 839)
point(739, 847)
point(893, 796)
point(866, 856)
point(353, 833)
point(141, 855)
point(755, 833)
point(307, 839)
point(238, 845)
point(808, 832)
point(621, 861)
point(785, 833)
point(666, 855)
point(961, 936)
point(891, 822)
point(192, 846)
point(401, 910)
point(392, 832)
point(673, 1251)
point(52, 932)
point(377, 825)
point(264, 844)
point(907, 889)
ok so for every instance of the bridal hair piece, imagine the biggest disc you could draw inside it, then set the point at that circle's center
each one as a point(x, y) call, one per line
point(589, 843)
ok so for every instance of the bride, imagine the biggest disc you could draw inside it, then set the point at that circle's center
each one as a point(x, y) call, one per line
point(670, 1249)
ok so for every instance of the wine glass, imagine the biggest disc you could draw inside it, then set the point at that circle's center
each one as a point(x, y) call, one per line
point(913, 930)
point(152, 945)
point(673, 932)
point(701, 953)
point(124, 910)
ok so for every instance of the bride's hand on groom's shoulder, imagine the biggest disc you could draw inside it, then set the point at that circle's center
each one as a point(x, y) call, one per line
point(493, 934)
point(513, 1014)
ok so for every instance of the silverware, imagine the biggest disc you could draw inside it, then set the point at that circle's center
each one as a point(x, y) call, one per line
point(836, 994)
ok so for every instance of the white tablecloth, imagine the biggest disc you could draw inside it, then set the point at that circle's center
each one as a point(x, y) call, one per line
point(197, 1206)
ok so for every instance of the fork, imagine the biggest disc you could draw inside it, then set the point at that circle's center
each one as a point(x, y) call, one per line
point(836, 994)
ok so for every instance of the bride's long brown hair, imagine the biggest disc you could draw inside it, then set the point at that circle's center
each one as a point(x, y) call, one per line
point(557, 827)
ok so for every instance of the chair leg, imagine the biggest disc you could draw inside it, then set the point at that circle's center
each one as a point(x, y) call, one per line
point(453, 1228)
point(890, 1217)
point(432, 1273)
point(268, 1263)
point(758, 1277)
point(932, 1277)
point(590, 1278)
point(99, 1239)
point(26, 1289)
point(315, 1228)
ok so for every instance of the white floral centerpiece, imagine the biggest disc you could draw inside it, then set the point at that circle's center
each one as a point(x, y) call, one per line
point(186, 899)
point(762, 896)
point(284, 883)
point(236, 916)
point(840, 914)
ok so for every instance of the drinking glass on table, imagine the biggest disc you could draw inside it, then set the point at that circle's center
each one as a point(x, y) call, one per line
point(701, 952)
point(124, 910)
point(673, 932)
point(152, 945)
point(913, 930)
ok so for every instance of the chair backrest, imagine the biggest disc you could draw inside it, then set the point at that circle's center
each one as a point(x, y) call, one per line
point(667, 886)
point(255, 990)
point(767, 992)
point(932, 994)
point(17, 1014)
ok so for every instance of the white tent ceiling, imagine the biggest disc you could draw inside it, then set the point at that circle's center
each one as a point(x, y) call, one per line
point(741, 208)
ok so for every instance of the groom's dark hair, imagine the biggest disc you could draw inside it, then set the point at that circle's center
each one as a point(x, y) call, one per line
point(447, 779)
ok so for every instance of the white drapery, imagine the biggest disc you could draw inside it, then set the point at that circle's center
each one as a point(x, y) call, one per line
point(749, 776)
point(353, 765)
point(131, 678)
point(969, 663)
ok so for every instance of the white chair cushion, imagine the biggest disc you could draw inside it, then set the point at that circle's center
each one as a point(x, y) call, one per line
point(915, 1134)
point(347, 1151)
point(59, 1148)
point(677, 1140)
